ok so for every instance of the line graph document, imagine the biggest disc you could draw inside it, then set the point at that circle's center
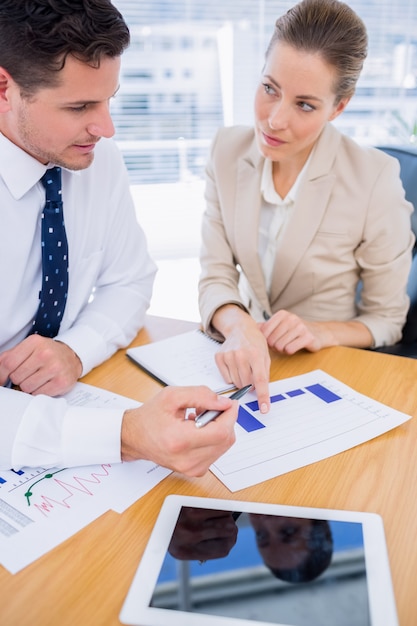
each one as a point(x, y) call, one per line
point(40, 508)
point(312, 417)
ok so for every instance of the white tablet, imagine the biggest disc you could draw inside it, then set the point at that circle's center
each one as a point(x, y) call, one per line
point(212, 562)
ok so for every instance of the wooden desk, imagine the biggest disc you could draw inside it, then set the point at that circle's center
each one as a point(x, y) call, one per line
point(83, 582)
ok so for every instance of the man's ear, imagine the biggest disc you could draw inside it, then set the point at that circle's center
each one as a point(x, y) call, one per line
point(5, 83)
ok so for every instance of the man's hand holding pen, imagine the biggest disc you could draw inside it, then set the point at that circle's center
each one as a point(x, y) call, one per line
point(208, 416)
point(158, 430)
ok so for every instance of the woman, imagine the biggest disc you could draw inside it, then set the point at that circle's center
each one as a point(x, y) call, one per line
point(298, 215)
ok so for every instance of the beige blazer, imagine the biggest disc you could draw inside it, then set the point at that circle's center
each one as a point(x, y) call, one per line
point(350, 225)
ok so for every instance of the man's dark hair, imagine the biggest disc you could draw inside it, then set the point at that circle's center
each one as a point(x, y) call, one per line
point(320, 544)
point(36, 36)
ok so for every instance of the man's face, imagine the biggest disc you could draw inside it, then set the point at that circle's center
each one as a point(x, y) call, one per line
point(62, 124)
point(283, 542)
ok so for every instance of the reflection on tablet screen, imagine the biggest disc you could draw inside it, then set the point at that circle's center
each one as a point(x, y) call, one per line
point(270, 568)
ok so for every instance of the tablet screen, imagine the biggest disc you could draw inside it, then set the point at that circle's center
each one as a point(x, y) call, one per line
point(218, 562)
point(268, 568)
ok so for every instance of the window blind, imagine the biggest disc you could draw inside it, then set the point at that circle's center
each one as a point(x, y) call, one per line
point(193, 66)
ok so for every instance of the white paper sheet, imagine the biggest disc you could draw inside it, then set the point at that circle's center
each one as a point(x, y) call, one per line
point(41, 508)
point(186, 359)
point(312, 417)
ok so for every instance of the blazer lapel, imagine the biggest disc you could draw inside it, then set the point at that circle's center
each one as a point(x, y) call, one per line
point(246, 226)
point(307, 213)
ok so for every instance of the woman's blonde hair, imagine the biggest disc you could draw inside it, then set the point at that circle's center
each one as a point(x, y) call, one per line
point(331, 29)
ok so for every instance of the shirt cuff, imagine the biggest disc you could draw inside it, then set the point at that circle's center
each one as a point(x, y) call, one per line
point(91, 436)
point(13, 406)
point(87, 345)
point(52, 433)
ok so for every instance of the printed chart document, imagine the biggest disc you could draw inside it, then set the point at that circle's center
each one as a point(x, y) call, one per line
point(185, 359)
point(40, 508)
point(312, 417)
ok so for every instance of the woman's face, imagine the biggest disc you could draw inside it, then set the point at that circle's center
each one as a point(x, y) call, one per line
point(293, 103)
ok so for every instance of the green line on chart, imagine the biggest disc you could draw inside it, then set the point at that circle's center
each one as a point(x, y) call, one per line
point(29, 493)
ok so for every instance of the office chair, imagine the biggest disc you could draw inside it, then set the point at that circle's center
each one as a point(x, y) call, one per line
point(407, 156)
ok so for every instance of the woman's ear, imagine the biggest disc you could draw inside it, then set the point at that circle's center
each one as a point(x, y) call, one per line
point(339, 108)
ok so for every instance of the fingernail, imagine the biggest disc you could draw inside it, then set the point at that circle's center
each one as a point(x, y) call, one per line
point(264, 408)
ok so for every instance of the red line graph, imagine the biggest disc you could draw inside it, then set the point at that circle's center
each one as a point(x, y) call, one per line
point(74, 486)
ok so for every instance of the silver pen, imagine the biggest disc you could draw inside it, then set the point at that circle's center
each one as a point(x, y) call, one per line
point(207, 416)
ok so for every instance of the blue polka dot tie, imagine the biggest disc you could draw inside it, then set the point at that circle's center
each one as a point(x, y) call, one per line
point(54, 290)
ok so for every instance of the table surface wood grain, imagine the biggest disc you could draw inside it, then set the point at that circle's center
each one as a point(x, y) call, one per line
point(84, 580)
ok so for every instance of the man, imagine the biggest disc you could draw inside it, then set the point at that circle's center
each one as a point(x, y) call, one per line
point(59, 69)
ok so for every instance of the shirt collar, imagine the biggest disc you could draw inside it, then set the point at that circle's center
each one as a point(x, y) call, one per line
point(19, 170)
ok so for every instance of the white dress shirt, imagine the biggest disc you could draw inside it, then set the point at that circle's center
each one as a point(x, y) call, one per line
point(110, 285)
point(273, 217)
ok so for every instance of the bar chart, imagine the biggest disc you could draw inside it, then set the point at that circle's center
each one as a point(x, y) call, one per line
point(249, 422)
point(312, 417)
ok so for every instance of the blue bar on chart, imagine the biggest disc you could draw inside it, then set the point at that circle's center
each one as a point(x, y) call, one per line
point(247, 421)
point(295, 392)
point(254, 406)
point(2, 481)
point(277, 398)
point(323, 393)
